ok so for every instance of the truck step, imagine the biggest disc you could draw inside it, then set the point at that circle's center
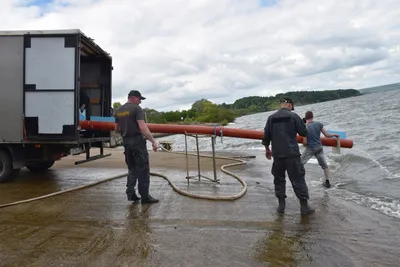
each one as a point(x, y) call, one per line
point(91, 159)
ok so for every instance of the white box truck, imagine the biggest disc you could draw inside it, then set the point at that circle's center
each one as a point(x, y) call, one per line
point(45, 78)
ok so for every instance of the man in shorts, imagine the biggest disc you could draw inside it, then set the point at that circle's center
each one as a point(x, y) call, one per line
point(314, 146)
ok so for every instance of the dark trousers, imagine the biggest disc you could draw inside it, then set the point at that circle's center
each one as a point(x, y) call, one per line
point(296, 173)
point(137, 160)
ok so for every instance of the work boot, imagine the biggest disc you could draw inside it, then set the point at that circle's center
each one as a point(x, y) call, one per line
point(282, 205)
point(133, 197)
point(149, 199)
point(305, 209)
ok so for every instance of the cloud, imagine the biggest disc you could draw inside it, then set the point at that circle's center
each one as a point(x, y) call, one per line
point(177, 51)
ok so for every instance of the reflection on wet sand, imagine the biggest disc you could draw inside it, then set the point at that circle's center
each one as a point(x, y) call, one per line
point(29, 185)
point(138, 233)
point(282, 247)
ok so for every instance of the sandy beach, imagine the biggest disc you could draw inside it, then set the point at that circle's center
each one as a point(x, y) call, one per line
point(158, 159)
point(98, 227)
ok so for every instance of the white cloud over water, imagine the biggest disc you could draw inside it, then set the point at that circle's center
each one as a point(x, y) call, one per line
point(177, 51)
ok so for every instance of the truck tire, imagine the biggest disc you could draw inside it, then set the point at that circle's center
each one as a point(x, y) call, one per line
point(6, 167)
point(40, 167)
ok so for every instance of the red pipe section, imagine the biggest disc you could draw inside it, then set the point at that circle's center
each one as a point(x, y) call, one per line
point(211, 130)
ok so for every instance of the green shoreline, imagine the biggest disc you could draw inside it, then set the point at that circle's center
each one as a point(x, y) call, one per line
point(204, 111)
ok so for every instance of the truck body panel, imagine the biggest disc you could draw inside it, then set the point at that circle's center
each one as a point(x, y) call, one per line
point(11, 88)
point(50, 85)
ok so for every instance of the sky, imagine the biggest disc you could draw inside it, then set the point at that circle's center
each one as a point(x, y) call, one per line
point(178, 51)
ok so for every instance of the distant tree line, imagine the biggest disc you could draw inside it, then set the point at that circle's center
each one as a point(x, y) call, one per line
point(204, 111)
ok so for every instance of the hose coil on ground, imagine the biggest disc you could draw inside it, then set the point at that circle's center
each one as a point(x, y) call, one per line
point(177, 189)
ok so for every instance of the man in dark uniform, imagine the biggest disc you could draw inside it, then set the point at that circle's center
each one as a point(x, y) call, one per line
point(130, 123)
point(281, 130)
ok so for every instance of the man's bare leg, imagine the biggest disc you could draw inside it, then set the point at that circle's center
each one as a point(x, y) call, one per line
point(326, 173)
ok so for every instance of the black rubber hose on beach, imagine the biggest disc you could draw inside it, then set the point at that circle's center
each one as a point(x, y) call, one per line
point(177, 189)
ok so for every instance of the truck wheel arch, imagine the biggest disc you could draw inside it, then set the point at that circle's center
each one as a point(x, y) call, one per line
point(16, 153)
point(41, 166)
point(6, 170)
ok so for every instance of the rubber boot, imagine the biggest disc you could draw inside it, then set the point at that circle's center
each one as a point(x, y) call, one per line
point(305, 209)
point(133, 197)
point(282, 205)
point(149, 200)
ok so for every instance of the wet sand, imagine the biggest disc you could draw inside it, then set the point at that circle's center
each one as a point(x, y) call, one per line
point(98, 227)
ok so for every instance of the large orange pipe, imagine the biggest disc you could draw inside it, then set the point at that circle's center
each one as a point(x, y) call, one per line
point(200, 129)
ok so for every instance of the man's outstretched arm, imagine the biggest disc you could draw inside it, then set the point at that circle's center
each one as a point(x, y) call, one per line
point(301, 128)
point(145, 130)
point(325, 132)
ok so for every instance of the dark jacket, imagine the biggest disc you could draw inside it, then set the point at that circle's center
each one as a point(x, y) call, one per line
point(281, 130)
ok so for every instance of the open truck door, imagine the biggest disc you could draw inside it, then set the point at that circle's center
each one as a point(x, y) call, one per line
point(46, 77)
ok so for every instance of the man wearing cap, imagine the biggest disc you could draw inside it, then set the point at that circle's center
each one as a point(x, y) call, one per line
point(281, 131)
point(314, 146)
point(130, 123)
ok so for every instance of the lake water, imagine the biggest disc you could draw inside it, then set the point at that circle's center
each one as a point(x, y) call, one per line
point(368, 174)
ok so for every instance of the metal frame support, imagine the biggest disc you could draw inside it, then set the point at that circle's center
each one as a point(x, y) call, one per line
point(89, 158)
point(337, 149)
point(199, 175)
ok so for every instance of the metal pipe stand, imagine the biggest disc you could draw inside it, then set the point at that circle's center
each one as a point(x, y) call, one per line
point(199, 175)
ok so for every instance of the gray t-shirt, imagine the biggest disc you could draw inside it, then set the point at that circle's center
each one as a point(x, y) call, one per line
point(127, 116)
point(314, 134)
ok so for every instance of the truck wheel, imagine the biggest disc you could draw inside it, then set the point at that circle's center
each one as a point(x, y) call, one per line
point(39, 167)
point(6, 168)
